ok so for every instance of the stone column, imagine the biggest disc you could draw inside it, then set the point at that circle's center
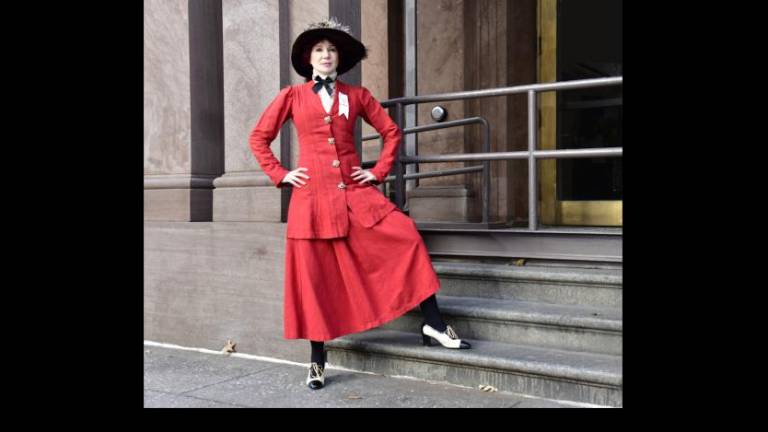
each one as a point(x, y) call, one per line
point(257, 44)
point(251, 80)
point(441, 64)
point(183, 118)
point(470, 45)
point(374, 69)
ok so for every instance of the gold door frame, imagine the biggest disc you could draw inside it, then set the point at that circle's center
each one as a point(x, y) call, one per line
point(552, 210)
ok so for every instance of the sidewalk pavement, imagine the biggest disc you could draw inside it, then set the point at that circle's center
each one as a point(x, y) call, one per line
point(183, 378)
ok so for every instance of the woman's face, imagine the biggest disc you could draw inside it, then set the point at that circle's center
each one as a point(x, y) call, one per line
point(324, 57)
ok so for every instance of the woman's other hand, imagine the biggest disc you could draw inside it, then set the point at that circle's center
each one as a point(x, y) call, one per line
point(362, 176)
point(294, 177)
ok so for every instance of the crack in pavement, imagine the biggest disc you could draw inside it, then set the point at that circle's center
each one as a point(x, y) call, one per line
point(185, 393)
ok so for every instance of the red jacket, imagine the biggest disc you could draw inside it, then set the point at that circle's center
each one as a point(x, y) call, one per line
point(327, 149)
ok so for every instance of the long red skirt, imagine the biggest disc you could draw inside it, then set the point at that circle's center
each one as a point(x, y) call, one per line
point(347, 285)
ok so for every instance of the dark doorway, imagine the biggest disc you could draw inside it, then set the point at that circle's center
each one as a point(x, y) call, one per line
point(589, 45)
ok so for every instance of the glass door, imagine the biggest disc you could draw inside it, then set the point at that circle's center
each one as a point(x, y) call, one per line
point(580, 39)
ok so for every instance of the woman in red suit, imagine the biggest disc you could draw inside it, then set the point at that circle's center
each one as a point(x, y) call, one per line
point(353, 260)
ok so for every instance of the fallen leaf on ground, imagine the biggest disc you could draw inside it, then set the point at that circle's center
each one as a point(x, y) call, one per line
point(229, 347)
point(487, 388)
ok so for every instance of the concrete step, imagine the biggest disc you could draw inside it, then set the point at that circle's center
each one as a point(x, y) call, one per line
point(577, 328)
point(595, 287)
point(542, 372)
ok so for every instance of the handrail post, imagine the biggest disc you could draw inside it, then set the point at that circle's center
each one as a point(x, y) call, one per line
point(486, 171)
point(399, 166)
point(532, 177)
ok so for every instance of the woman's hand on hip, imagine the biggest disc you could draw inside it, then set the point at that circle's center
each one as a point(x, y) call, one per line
point(294, 177)
point(362, 176)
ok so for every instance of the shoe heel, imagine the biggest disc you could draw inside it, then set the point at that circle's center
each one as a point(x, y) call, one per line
point(426, 340)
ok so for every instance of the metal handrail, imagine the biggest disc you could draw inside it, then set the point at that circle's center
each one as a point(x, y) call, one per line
point(503, 91)
point(538, 154)
point(532, 154)
point(485, 167)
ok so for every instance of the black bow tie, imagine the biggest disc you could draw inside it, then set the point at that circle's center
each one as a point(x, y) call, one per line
point(322, 83)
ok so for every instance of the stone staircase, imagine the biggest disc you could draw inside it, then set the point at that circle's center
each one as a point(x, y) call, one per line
point(551, 330)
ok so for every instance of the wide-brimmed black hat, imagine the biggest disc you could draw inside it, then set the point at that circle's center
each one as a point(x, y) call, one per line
point(350, 50)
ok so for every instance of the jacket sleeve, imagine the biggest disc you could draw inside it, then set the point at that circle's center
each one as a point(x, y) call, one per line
point(265, 131)
point(374, 114)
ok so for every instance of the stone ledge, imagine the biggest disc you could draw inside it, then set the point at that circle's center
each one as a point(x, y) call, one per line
point(243, 179)
point(605, 319)
point(599, 369)
point(179, 181)
point(497, 271)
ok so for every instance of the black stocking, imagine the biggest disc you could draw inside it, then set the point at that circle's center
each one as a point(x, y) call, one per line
point(318, 354)
point(432, 313)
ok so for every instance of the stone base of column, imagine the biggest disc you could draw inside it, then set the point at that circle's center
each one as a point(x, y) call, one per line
point(441, 203)
point(178, 197)
point(245, 197)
